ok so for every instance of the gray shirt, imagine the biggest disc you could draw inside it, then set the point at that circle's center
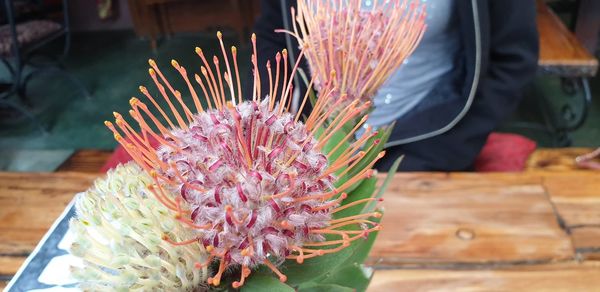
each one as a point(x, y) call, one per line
point(421, 72)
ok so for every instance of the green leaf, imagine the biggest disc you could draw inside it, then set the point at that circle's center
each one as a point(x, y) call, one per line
point(351, 188)
point(335, 139)
point(314, 268)
point(316, 287)
point(348, 126)
point(354, 276)
point(260, 281)
point(363, 191)
point(371, 206)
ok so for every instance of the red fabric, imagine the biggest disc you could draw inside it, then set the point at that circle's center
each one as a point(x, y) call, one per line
point(504, 152)
point(501, 152)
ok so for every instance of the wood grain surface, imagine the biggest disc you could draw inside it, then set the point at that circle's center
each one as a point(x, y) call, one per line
point(574, 277)
point(29, 204)
point(586, 241)
point(576, 195)
point(459, 230)
point(89, 161)
point(468, 218)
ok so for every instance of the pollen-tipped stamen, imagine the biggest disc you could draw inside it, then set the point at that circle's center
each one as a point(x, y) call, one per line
point(220, 37)
point(357, 202)
point(243, 275)
point(216, 280)
point(332, 203)
point(153, 72)
point(350, 134)
point(210, 79)
point(161, 198)
point(282, 277)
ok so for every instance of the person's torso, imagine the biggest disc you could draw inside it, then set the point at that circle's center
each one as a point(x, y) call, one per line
point(429, 67)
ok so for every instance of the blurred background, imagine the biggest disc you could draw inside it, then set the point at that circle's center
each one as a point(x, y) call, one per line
point(78, 61)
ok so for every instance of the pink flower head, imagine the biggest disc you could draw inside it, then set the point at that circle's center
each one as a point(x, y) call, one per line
point(251, 180)
point(362, 45)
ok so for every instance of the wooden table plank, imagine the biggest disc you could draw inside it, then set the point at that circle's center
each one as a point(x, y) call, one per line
point(89, 161)
point(576, 195)
point(587, 242)
point(561, 278)
point(29, 204)
point(435, 218)
point(9, 265)
point(432, 219)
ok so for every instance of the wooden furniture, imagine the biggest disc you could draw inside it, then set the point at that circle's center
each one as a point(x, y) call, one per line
point(555, 159)
point(536, 230)
point(564, 56)
point(156, 18)
point(561, 53)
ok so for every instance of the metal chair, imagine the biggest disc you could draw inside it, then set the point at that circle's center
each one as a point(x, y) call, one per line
point(20, 43)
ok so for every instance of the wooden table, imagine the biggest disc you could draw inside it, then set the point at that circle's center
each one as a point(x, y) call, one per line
point(536, 230)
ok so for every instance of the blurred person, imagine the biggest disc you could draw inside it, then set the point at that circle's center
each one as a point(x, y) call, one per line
point(463, 79)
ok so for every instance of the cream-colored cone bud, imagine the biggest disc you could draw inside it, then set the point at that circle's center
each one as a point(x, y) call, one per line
point(118, 231)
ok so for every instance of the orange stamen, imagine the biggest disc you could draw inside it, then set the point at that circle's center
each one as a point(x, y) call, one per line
point(237, 73)
point(244, 274)
point(216, 280)
point(183, 73)
point(206, 96)
point(357, 202)
point(335, 202)
point(145, 92)
point(256, 71)
point(166, 238)
point(220, 37)
point(299, 258)
point(365, 215)
point(309, 88)
point(165, 201)
point(212, 83)
point(282, 277)
point(163, 92)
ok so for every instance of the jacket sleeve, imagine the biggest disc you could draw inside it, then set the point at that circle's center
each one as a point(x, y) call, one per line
point(510, 59)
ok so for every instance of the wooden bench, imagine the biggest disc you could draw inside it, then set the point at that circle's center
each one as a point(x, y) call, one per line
point(561, 53)
point(564, 56)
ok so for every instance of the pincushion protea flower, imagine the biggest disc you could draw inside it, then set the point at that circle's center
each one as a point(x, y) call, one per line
point(254, 183)
point(118, 235)
point(363, 45)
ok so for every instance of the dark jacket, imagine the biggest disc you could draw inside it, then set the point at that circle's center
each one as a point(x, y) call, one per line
point(500, 44)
